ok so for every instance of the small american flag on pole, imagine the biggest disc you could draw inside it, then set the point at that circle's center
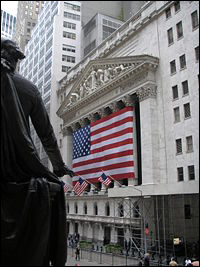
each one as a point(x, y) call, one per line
point(80, 186)
point(104, 179)
point(66, 187)
point(105, 144)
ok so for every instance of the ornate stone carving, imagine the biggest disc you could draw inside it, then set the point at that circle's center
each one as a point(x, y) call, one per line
point(114, 107)
point(91, 118)
point(146, 92)
point(102, 112)
point(127, 100)
point(96, 78)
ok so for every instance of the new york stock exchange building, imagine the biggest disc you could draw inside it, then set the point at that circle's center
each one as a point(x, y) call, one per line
point(130, 110)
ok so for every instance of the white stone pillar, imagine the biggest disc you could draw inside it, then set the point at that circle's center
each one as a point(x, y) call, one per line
point(149, 134)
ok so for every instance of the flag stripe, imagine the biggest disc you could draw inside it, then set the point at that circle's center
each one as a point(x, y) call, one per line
point(105, 163)
point(125, 121)
point(112, 135)
point(109, 146)
point(104, 158)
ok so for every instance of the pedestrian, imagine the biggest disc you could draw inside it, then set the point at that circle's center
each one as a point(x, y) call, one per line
point(77, 252)
point(173, 262)
point(26, 183)
point(146, 259)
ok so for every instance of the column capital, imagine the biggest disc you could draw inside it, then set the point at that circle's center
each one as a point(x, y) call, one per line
point(145, 92)
point(91, 118)
point(102, 112)
point(113, 106)
point(127, 100)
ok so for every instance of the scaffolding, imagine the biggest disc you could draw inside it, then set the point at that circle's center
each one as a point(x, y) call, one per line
point(132, 215)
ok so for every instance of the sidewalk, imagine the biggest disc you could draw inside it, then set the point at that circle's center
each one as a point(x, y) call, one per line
point(72, 262)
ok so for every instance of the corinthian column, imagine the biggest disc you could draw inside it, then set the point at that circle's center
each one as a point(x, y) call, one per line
point(149, 134)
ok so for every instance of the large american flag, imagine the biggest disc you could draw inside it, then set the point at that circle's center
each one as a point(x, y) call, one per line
point(105, 145)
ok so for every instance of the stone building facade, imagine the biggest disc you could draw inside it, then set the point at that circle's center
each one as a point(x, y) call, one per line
point(150, 63)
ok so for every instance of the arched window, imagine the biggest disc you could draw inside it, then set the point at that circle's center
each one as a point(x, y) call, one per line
point(107, 209)
point(95, 209)
point(75, 208)
point(85, 208)
point(121, 210)
point(67, 208)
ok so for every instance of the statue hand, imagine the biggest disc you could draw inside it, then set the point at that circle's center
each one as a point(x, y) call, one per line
point(64, 171)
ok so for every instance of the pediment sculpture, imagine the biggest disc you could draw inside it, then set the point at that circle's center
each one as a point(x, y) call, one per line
point(98, 77)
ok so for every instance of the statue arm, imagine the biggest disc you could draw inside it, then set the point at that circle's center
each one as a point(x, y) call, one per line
point(44, 129)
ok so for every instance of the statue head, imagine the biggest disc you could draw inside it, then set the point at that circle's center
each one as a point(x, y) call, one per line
point(10, 52)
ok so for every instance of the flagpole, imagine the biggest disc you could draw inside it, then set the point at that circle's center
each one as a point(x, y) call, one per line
point(113, 179)
point(87, 181)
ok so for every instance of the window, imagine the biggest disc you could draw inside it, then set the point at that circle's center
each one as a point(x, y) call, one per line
point(69, 48)
point(170, 36)
point(187, 211)
point(107, 31)
point(189, 144)
point(175, 92)
point(71, 16)
point(68, 58)
point(107, 209)
point(182, 60)
point(28, 30)
point(187, 112)
point(90, 47)
point(178, 146)
point(185, 88)
point(95, 209)
point(179, 29)
point(72, 7)
point(121, 210)
point(177, 6)
point(89, 27)
point(195, 21)
point(173, 67)
point(69, 35)
point(176, 115)
point(168, 13)
point(197, 53)
point(75, 208)
point(85, 208)
point(65, 68)
point(180, 174)
point(69, 25)
point(191, 174)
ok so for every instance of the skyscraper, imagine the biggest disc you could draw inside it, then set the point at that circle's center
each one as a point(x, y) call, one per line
point(8, 23)
point(27, 14)
point(53, 49)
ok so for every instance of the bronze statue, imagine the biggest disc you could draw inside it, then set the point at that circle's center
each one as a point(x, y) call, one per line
point(33, 216)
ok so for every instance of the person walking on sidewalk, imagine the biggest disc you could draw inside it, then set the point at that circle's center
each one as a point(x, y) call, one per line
point(77, 253)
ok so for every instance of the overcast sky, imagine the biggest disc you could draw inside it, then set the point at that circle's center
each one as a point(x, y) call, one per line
point(10, 7)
